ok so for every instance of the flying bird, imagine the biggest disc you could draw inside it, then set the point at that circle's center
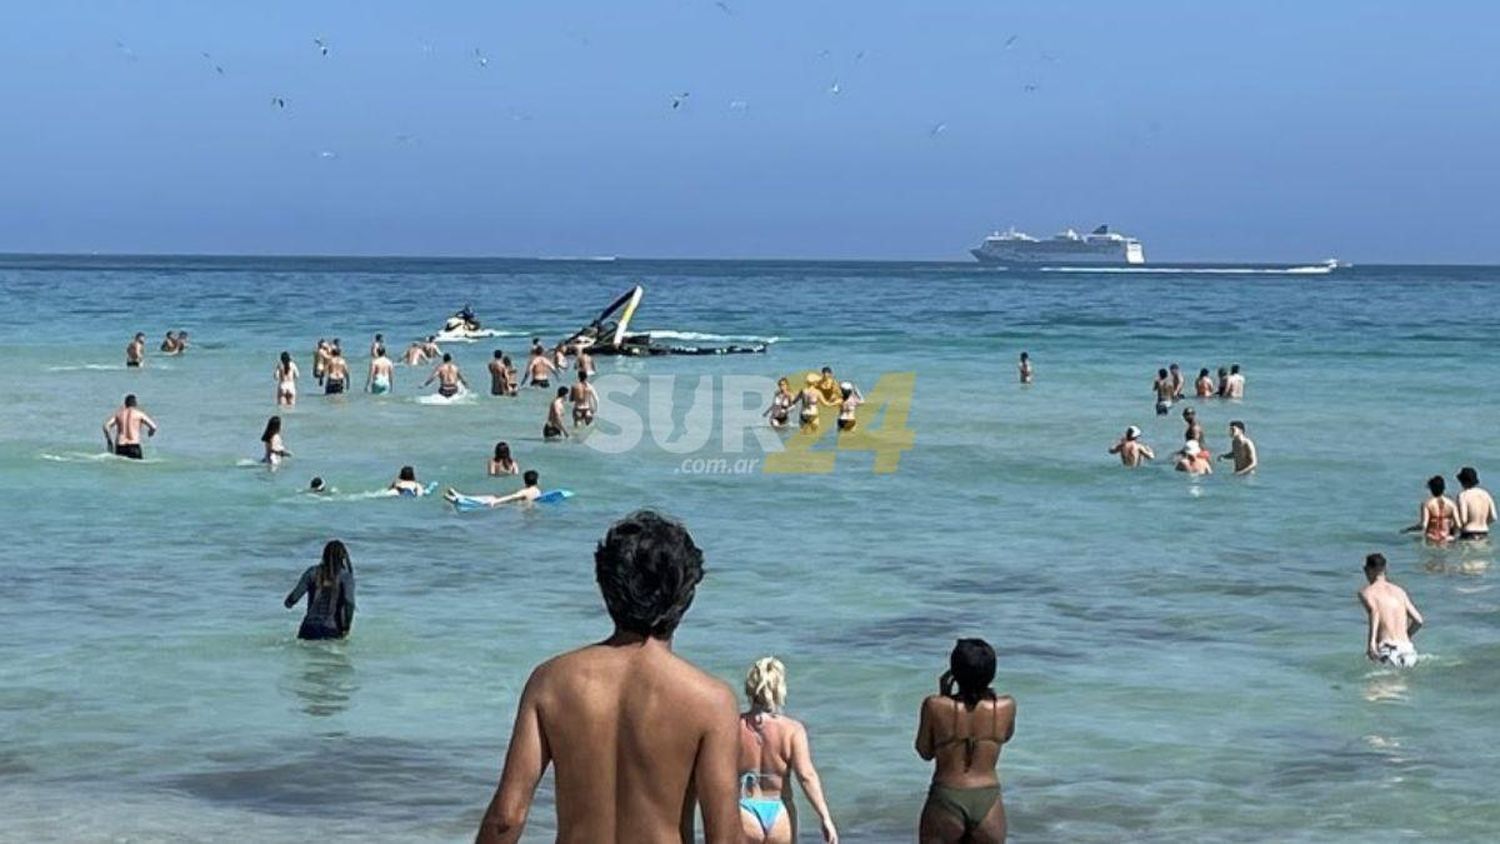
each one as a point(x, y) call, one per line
point(321, 45)
point(738, 105)
point(327, 154)
point(859, 56)
point(835, 88)
point(484, 61)
point(1029, 88)
point(278, 102)
point(1011, 40)
point(218, 68)
point(937, 130)
point(680, 100)
point(125, 51)
point(724, 7)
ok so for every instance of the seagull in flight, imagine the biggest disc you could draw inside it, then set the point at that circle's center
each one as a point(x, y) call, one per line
point(738, 105)
point(835, 88)
point(724, 7)
point(321, 45)
point(1011, 40)
point(327, 154)
point(124, 50)
point(1030, 88)
point(278, 102)
point(937, 130)
point(484, 61)
point(218, 68)
point(680, 100)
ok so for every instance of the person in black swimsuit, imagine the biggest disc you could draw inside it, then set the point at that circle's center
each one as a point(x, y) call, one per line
point(963, 728)
point(329, 587)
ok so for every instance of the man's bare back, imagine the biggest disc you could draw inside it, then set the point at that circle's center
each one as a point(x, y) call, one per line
point(127, 423)
point(629, 726)
point(639, 736)
point(1131, 450)
point(1392, 617)
point(1476, 511)
point(1390, 606)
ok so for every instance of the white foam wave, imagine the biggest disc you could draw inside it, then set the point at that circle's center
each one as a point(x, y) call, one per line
point(1311, 269)
point(462, 397)
point(711, 338)
point(486, 334)
point(88, 367)
point(90, 457)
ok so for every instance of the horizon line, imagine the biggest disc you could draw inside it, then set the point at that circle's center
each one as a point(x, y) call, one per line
point(7, 256)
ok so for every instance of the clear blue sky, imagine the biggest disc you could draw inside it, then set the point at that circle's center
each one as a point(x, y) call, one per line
point(1247, 131)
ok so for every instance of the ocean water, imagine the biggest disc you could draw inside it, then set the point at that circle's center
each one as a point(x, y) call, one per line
point(1187, 654)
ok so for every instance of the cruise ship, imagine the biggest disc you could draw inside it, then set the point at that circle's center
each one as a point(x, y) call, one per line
point(1066, 248)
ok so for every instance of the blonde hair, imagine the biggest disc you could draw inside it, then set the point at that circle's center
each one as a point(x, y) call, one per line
point(765, 684)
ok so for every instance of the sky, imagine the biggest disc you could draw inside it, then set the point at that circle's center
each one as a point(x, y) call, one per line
point(1265, 131)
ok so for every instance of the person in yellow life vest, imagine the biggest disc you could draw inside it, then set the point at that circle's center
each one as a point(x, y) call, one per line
point(828, 388)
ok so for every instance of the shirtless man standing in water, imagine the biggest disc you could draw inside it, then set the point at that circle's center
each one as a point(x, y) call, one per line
point(1393, 617)
point(1194, 429)
point(1476, 509)
point(1131, 450)
point(335, 372)
point(1241, 450)
point(1234, 385)
point(415, 356)
point(126, 425)
point(639, 737)
point(1164, 390)
point(554, 428)
point(585, 400)
point(539, 369)
point(135, 352)
point(448, 377)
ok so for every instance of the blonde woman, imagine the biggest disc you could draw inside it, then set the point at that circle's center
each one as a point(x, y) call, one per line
point(771, 746)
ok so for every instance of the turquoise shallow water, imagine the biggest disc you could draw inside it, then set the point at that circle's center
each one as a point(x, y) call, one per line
point(1187, 656)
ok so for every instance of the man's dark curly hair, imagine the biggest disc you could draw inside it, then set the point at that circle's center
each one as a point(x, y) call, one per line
point(648, 570)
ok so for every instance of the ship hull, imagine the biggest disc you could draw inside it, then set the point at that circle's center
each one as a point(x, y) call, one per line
point(1112, 258)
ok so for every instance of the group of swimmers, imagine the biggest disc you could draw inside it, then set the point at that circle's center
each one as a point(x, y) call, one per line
point(821, 389)
point(173, 344)
point(332, 371)
point(1170, 387)
point(1468, 518)
point(1393, 618)
point(1193, 458)
point(673, 744)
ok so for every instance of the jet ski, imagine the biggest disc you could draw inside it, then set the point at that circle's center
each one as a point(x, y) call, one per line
point(609, 335)
point(463, 327)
